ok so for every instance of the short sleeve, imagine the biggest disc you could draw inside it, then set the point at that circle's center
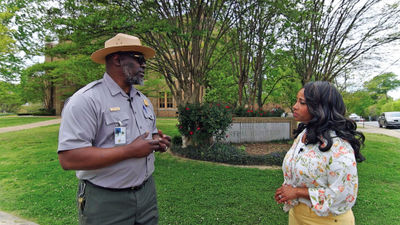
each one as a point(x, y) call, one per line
point(341, 193)
point(78, 123)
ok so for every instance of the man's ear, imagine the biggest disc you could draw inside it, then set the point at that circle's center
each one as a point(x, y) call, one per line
point(116, 59)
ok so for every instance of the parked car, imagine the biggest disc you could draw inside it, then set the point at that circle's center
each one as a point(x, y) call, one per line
point(389, 119)
point(355, 117)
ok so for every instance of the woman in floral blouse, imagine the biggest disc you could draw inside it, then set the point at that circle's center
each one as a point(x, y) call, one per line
point(320, 170)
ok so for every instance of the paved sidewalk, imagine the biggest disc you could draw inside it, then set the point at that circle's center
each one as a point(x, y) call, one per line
point(371, 129)
point(30, 125)
point(5, 218)
point(8, 219)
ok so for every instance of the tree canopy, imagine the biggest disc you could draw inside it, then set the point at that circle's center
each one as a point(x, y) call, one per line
point(327, 37)
point(256, 49)
point(7, 43)
point(382, 84)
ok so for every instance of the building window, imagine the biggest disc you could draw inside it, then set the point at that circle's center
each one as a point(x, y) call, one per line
point(165, 100)
point(162, 100)
point(169, 100)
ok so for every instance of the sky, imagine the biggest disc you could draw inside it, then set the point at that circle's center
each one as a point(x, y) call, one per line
point(384, 60)
point(393, 65)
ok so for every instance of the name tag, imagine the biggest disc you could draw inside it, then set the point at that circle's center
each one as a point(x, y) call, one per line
point(120, 135)
point(113, 109)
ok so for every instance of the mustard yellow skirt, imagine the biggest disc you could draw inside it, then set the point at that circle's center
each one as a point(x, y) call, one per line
point(301, 214)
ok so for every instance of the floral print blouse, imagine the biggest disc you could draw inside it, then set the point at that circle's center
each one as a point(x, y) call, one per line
point(331, 176)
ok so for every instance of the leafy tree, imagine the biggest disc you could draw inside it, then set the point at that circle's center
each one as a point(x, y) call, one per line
point(328, 36)
point(7, 43)
point(382, 84)
point(220, 84)
point(280, 83)
point(40, 80)
point(185, 35)
point(10, 99)
point(372, 100)
point(391, 106)
point(286, 91)
point(252, 39)
point(29, 33)
point(358, 102)
point(221, 88)
point(6, 40)
point(68, 65)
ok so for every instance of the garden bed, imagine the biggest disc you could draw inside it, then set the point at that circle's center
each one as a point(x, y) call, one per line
point(264, 148)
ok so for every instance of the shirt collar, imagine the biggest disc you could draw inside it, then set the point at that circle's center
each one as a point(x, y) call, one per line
point(115, 89)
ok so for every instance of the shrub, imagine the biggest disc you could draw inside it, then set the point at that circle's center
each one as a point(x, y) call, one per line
point(244, 112)
point(30, 108)
point(199, 123)
point(44, 112)
point(226, 153)
point(176, 140)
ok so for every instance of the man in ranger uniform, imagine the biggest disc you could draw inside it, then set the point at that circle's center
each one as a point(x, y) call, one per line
point(108, 135)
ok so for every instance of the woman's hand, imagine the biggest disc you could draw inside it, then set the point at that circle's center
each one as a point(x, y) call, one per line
point(288, 192)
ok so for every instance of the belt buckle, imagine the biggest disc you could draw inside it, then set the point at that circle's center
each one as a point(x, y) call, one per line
point(135, 188)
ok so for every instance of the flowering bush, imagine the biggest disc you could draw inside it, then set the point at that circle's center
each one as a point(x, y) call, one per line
point(201, 122)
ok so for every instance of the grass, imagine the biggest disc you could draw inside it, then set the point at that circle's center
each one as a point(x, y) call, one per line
point(33, 185)
point(8, 121)
point(168, 126)
point(7, 114)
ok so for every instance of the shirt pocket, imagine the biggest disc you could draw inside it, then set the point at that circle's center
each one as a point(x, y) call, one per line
point(147, 113)
point(112, 120)
point(148, 118)
point(116, 119)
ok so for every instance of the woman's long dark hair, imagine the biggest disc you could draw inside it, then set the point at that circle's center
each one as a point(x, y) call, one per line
point(327, 108)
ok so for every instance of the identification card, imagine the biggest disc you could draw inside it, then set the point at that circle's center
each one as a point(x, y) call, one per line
point(120, 135)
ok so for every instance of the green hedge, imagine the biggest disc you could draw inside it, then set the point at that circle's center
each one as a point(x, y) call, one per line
point(245, 112)
point(226, 153)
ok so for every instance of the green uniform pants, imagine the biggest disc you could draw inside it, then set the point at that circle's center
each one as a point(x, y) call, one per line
point(101, 206)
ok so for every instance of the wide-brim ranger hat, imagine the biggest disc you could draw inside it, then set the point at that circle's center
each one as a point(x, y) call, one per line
point(122, 43)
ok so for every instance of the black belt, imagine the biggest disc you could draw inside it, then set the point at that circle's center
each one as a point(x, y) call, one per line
point(134, 188)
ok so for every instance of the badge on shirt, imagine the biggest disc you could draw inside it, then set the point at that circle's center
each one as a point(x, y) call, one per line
point(120, 135)
point(146, 103)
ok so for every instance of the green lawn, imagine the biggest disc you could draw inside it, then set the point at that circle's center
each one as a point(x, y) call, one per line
point(8, 121)
point(33, 185)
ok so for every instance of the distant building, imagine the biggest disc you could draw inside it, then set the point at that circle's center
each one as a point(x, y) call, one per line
point(160, 96)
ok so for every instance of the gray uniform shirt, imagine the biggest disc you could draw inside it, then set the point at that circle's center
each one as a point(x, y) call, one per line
point(89, 118)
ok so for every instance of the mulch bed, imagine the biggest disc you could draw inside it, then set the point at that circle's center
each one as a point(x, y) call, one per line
point(264, 148)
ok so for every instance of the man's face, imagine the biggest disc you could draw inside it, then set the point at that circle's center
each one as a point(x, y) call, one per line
point(133, 65)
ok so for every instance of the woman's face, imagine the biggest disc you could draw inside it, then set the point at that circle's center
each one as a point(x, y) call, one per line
point(300, 109)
